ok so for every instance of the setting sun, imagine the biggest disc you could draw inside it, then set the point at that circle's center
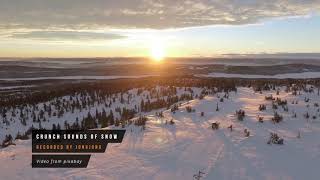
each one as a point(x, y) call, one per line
point(157, 51)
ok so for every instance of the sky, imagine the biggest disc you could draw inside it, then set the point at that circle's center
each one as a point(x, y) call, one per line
point(143, 28)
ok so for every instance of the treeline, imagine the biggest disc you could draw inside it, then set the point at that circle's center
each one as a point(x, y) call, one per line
point(108, 87)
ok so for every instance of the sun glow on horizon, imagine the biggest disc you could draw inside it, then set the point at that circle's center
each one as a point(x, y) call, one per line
point(157, 51)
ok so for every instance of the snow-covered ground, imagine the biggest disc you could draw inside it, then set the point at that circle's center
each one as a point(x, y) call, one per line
point(179, 151)
point(73, 78)
point(303, 75)
point(11, 124)
point(15, 87)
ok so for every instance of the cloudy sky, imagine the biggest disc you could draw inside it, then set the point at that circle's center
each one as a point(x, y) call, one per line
point(101, 28)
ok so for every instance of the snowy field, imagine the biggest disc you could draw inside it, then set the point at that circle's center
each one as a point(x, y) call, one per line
point(303, 75)
point(178, 151)
point(73, 78)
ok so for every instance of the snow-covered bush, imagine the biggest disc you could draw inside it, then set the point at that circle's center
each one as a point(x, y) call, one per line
point(275, 139)
point(189, 109)
point(262, 107)
point(240, 115)
point(277, 118)
point(215, 125)
point(141, 121)
point(246, 133)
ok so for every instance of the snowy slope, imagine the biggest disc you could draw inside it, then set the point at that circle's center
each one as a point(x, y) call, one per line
point(12, 125)
point(303, 75)
point(73, 78)
point(179, 151)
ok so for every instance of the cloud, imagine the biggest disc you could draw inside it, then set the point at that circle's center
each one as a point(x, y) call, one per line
point(65, 35)
point(155, 14)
